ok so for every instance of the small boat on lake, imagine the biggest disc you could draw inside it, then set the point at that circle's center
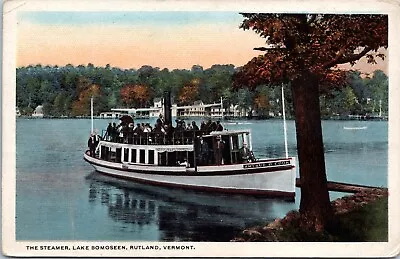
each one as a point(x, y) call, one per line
point(211, 160)
point(355, 128)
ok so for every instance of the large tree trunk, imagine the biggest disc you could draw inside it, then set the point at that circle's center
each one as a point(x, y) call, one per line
point(315, 207)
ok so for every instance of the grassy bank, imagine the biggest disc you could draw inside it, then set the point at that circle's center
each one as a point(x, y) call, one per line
point(368, 223)
point(361, 217)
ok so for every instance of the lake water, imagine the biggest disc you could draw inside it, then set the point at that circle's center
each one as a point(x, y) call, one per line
point(60, 197)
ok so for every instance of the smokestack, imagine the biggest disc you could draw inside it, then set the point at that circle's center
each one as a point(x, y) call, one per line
point(167, 107)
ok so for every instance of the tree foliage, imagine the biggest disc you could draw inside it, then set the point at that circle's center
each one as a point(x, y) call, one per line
point(315, 42)
point(82, 105)
point(137, 95)
point(189, 93)
point(304, 51)
point(57, 88)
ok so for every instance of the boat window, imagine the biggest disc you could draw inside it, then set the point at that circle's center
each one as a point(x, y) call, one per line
point(151, 156)
point(235, 142)
point(142, 156)
point(126, 154)
point(104, 152)
point(118, 155)
point(162, 158)
point(112, 156)
point(171, 158)
point(133, 155)
point(225, 152)
point(235, 149)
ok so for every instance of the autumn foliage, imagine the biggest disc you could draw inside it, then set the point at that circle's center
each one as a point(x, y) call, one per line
point(189, 93)
point(315, 42)
point(304, 51)
point(136, 95)
point(86, 90)
point(261, 102)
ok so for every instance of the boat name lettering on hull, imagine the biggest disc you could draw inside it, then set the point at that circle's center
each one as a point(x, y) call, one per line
point(267, 164)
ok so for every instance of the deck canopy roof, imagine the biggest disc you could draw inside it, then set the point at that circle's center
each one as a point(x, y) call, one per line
point(228, 132)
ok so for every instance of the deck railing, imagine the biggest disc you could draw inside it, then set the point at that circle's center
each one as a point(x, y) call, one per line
point(156, 138)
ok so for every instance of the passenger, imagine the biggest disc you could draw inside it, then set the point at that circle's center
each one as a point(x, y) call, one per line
point(204, 150)
point(208, 126)
point(212, 127)
point(159, 133)
point(179, 127)
point(161, 119)
point(137, 134)
point(245, 153)
point(97, 138)
point(114, 132)
point(178, 133)
point(184, 163)
point(203, 126)
point(137, 127)
point(125, 133)
point(218, 148)
point(169, 133)
point(120, 132)
point(194, 126)
point(147, 128)
point(109, 132)
point(129, 135)
point(219, 126)
point(92, 145)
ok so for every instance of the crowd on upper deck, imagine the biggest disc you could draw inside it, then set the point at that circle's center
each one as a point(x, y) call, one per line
point(160, 133)
point(209, 151)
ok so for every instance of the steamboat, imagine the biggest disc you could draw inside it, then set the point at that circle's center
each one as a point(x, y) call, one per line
point(208, 158)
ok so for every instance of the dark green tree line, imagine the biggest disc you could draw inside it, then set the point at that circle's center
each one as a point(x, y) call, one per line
point(61, 90)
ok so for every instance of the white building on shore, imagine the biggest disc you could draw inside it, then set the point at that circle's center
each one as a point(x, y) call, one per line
point(198, 109)
point(38, 113)
point(138, 113)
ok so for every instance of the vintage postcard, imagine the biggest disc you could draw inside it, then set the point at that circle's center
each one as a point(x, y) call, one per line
point(200, 128)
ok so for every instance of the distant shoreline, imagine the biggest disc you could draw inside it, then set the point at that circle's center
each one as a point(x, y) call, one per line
point(222, 119)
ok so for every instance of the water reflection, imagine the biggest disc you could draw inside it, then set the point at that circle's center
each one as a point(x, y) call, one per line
point(180, 215)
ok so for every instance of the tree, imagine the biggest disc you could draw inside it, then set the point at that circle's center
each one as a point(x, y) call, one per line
point(244, 100)
point(59, 104)
point(189, 92)
point(82, 105)
point(344, 101)
point(304, 50)
point(218, 82)
point(136, 95)
point(377, 87)
point(261, 102)
point(357, 83)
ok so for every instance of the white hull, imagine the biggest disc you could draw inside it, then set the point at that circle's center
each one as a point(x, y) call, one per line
point(273, 177)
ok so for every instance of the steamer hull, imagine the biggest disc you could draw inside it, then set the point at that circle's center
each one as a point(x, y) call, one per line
point(268, 177)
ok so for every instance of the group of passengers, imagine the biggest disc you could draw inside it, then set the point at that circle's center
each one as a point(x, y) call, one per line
point(209, 151)
point(160, 133)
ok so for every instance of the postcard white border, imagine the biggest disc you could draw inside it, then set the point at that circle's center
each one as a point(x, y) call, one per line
point(241, 249)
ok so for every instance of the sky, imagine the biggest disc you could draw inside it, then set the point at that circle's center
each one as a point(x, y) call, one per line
point(133, 39)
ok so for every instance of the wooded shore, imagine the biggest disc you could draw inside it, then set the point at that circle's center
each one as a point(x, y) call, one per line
point(360, 217)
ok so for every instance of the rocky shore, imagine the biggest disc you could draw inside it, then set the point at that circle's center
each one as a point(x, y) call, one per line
point(287, 229)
